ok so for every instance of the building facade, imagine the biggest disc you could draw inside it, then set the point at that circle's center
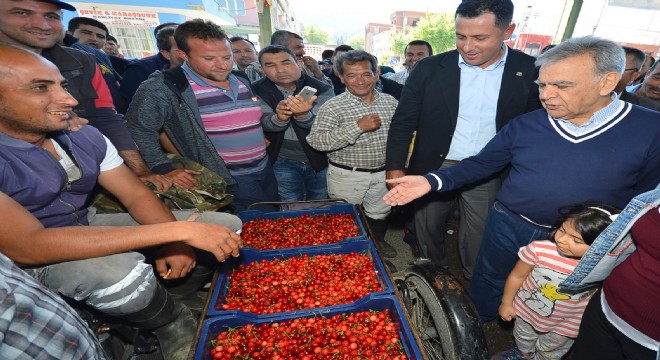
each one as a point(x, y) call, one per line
point(132, 21)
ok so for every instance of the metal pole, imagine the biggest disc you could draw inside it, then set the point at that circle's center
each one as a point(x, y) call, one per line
point(572, 20)
point(265, 26)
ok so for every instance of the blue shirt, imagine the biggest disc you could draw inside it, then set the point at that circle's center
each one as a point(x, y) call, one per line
point(477, 107)
point(598, 118)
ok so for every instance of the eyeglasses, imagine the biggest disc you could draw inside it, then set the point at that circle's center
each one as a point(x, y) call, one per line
point(631, 69)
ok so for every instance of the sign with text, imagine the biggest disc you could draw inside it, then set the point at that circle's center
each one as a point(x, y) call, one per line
point(120, 17)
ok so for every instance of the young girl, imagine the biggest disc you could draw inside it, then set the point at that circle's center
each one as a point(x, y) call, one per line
point(548, 320)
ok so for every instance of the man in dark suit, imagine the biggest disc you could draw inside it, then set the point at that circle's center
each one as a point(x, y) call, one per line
point(456, 102)
point(634, 62)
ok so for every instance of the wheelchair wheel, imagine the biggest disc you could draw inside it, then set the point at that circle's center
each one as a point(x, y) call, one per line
point(441, 313)
point(429, 320)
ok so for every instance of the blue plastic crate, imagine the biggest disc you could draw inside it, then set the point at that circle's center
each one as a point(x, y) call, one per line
point(335, 209)
point(248, 256)
point(214, 326)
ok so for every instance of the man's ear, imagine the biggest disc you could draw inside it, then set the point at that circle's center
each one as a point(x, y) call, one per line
point(182, 54)
point(509, 31)
point(166, 54)
point(608, 83)
point(69, 32)
point(634, 76)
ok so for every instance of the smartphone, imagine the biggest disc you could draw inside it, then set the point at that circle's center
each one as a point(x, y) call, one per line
point(307, 92)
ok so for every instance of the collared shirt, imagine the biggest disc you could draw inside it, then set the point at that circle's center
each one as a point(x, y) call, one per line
point(477, 107)
point(254, 72)
point(401, 76)
point(336, 130)
point(599, 117)
point(36, 323)
point(232, 119)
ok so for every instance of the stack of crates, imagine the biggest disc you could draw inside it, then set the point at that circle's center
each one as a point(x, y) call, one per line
point(219, 320)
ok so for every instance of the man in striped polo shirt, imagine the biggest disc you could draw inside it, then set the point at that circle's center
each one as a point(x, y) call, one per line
point(209, 113)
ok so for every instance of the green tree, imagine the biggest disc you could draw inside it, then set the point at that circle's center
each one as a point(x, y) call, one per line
point(400, 42)
point(315, 35)
point(356, 42)
point(437, 29)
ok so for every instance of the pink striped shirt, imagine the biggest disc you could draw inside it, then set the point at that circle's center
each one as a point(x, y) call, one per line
point(232, 119)
point(539, 302)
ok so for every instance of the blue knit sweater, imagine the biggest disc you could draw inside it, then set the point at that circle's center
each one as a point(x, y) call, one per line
point(551, 168)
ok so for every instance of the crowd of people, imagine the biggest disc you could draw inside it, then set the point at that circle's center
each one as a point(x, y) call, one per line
point(540, 154)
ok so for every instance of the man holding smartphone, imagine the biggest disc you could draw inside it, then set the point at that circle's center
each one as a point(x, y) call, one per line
point(289, 106)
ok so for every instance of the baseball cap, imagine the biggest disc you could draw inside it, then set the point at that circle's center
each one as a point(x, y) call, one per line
point(61, 4)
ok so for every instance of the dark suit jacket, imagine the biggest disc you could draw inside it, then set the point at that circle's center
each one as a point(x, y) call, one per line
point(429, 105)
point(639, 100)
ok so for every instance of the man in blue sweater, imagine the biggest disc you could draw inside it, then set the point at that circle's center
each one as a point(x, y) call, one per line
point(584, 145)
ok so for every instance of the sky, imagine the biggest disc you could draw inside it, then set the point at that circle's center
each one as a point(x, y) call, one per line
point(598, 17)
point(348, 17)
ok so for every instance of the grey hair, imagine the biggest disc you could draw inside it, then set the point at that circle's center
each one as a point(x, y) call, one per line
point(353, 56)
point(608, 56)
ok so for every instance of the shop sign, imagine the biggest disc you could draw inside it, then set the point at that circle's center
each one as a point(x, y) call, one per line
point(120, 17)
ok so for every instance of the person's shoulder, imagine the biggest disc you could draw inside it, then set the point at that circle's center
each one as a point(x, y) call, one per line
point(533, 120)
point(645, 114)
point(120, 60)
point(88, 133)
point(149, 61)
point(264, 81)
point(445, 60)
point(640, 101)
point(156, 78)
point(519, 57)
point(337, 101)
point(86, 130)
point(444, 56)
point(60, 55)
point(387, 98)
point(319, 85)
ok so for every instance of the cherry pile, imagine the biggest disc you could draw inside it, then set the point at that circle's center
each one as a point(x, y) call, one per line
point(361, 335)
point(306, 230)
point(271, 286)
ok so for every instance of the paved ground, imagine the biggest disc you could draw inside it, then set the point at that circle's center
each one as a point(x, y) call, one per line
point(498, 334)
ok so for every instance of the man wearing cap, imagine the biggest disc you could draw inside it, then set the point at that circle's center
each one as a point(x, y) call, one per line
point(37, 25)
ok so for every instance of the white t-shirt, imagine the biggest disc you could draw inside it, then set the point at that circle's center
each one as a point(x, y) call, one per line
point(110, 161)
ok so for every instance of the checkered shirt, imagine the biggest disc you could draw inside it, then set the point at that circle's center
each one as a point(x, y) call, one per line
point(335, 130)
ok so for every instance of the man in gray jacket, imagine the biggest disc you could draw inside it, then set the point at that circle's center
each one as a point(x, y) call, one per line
point(209, 114)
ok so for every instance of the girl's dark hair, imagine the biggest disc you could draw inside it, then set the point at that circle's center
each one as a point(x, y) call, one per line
point(589, 219)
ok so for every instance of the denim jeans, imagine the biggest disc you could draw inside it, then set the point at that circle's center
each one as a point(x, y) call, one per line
point(503, 236)
point(257, 187)
point(612, 246)
point(296, 180)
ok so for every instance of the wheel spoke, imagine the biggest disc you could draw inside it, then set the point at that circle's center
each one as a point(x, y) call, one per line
point(429, 319)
